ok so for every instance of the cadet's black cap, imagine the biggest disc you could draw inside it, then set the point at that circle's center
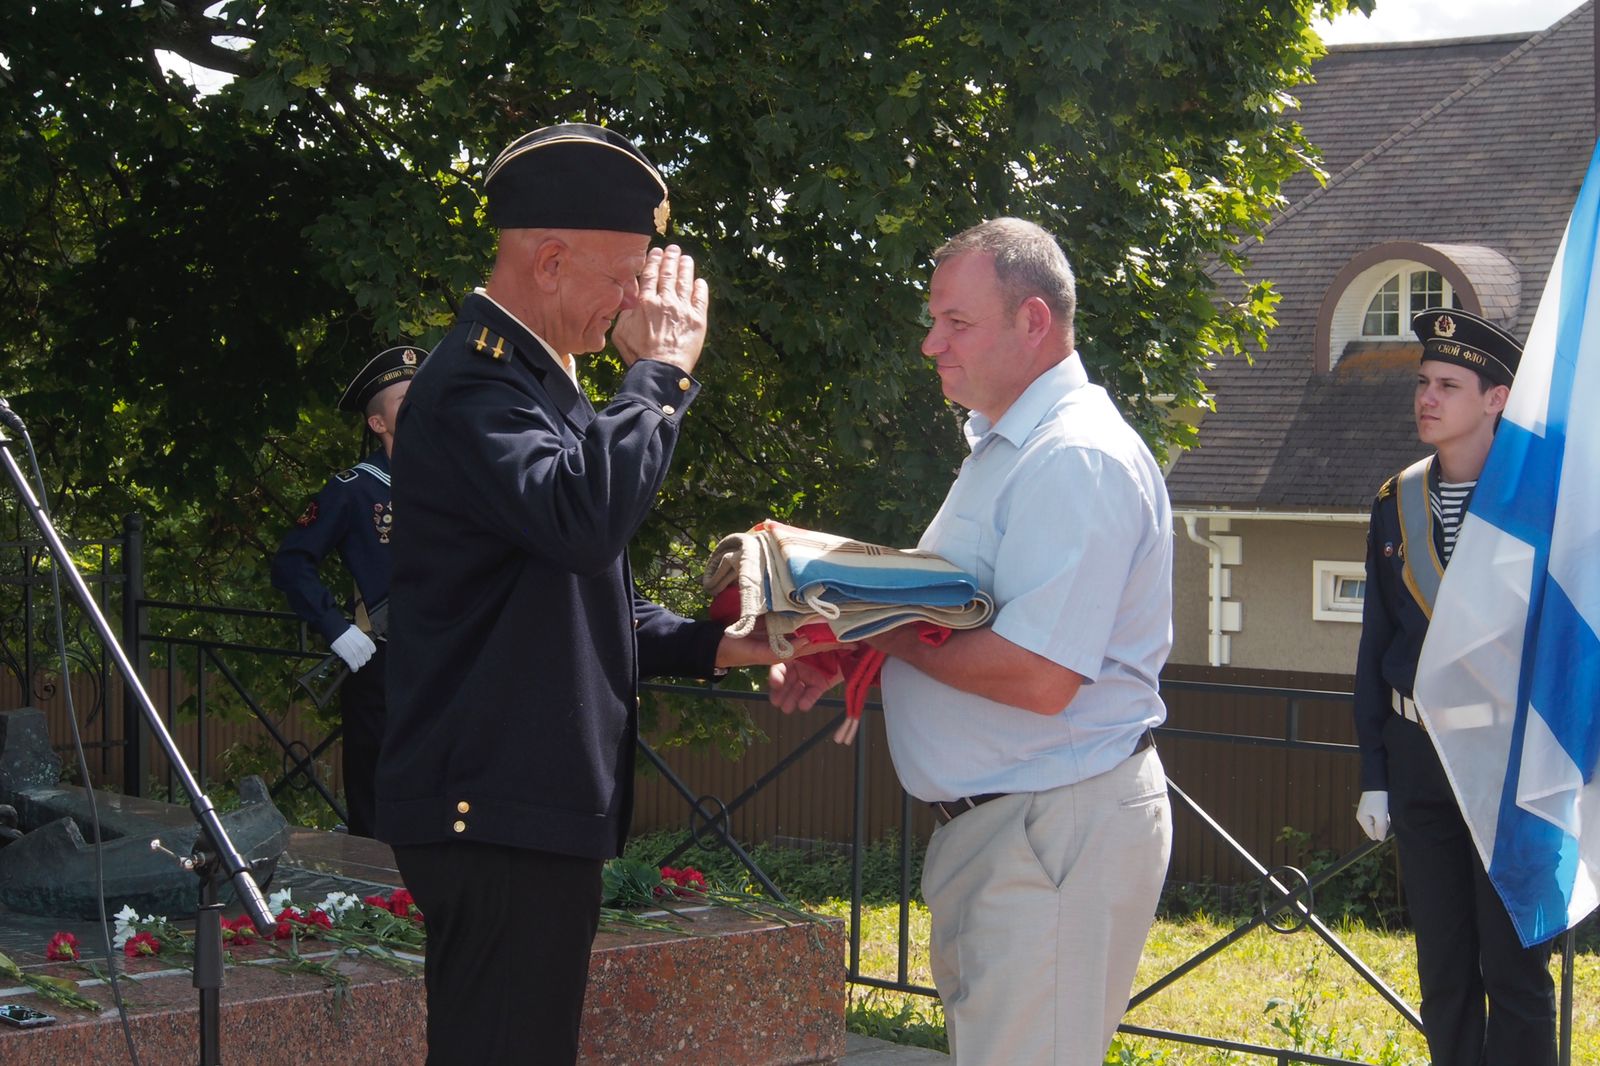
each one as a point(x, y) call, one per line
point(576, 176)
point(1460, 337)
point(388, 367)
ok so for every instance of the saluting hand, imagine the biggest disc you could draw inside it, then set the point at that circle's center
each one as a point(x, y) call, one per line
point(669, 323)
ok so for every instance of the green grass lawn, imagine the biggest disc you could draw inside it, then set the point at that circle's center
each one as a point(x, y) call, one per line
point(1267, 989)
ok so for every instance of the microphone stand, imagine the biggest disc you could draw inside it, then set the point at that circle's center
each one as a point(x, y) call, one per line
point(214, 854)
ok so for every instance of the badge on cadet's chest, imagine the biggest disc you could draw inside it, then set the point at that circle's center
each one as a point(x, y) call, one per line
point(382, 521)
point(1388, 549)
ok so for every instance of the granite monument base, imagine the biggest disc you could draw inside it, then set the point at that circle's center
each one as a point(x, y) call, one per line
point(733, 991)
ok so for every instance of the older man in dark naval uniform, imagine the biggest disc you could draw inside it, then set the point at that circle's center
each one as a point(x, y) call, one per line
point(1467, 949)
point(352, 515)
point(516, 637)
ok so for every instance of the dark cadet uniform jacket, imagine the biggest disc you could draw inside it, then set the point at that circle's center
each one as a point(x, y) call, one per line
point(1393, 625)
point(351, 515)
point(516, 640)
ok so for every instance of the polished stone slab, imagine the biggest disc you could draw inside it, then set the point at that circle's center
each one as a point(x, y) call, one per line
point(736, 990)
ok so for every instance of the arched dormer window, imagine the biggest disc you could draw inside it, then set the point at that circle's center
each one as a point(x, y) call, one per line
point(1407, 292)
point(1374, 297)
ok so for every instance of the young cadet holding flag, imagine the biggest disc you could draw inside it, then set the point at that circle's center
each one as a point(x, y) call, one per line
point(1467, 948)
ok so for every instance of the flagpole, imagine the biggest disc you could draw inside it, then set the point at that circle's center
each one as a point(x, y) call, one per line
point(1567, 948)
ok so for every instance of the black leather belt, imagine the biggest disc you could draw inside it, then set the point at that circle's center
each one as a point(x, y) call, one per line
point(946, 810)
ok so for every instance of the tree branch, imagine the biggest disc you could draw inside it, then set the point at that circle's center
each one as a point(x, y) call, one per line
point(198, 48)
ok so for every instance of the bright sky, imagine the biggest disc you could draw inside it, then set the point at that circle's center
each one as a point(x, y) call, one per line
point(1421, 20)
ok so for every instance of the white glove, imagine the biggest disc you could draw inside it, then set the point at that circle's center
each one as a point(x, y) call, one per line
point(354, 647)
point(1372, 814)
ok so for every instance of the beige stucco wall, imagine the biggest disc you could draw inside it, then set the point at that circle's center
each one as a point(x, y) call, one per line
point(1273, 586)
point(1191, 602)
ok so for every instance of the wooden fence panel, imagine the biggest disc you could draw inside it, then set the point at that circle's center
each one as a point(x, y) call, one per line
point(1254, 792)
point(100, 723)
point(812, 800)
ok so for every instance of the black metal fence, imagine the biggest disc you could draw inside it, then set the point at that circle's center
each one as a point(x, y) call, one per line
point(29, 654)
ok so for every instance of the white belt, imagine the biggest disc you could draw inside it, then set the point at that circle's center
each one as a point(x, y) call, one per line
point(1406, 708)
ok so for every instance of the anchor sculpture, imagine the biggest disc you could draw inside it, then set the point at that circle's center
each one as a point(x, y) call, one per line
point(47, 865)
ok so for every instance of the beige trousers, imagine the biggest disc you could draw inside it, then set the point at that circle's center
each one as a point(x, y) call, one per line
point(1041, 903)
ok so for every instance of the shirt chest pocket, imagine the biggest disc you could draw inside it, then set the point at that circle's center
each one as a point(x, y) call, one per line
point(966, 543)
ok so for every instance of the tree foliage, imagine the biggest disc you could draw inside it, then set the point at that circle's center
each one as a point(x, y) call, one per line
point(190, 278)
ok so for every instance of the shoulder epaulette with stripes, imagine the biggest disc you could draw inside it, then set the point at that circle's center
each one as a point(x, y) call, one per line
point(485, 341)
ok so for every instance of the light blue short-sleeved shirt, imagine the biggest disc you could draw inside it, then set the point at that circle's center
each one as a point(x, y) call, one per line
point(1061, 513)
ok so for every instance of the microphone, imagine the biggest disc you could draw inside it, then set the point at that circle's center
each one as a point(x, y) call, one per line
point(10, 419)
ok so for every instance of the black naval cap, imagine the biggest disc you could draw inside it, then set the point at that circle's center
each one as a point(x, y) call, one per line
point(389, 367)
point(1449, 335)
point(576, 176)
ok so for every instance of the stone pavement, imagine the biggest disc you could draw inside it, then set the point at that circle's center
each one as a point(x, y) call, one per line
point(865, 1051)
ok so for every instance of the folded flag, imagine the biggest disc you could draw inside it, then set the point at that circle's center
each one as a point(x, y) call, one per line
point(790, 577)
point(827, 589)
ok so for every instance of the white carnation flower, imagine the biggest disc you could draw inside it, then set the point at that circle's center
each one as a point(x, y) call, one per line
point(339, 902)
point(124, 930)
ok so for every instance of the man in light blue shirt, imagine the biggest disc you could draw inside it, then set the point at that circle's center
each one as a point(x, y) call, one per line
point(1031, 738)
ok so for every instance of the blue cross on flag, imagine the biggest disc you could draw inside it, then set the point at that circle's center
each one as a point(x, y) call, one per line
point(1509, 678)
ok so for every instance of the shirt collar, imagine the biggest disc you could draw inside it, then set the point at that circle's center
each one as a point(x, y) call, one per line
point(1029, 409)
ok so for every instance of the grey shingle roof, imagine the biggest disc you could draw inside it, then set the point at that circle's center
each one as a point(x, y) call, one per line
point(1365, 92)
point(1494, 159)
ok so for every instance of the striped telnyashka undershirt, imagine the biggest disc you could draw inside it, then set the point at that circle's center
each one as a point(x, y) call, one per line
point(1449, 506)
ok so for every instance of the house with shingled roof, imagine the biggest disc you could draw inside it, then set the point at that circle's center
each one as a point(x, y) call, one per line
point(1453, 166)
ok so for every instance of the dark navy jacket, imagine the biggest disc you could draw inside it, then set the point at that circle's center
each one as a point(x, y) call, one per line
point(1393, 625)
point(516, 640)
point(350, 515)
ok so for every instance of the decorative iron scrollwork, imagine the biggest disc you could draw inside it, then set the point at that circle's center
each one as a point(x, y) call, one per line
point(1296, 901)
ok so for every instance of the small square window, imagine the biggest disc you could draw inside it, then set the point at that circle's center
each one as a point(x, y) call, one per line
point(1383, 313)
point(1338, 590)
point(1427, 290)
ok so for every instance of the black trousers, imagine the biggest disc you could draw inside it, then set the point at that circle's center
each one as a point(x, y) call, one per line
point(509, 934)
point(1467, 949)
point(361, 707)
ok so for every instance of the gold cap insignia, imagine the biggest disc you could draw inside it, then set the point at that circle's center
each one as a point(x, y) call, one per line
point(663, 209)
point(1445, 326)
point(409, 357)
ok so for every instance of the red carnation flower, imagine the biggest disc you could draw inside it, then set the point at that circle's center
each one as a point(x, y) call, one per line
point(141, 944)
point(685, 882)
point(63, 948)
point(403, 904)
point(286, 919)
point(239, 930)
